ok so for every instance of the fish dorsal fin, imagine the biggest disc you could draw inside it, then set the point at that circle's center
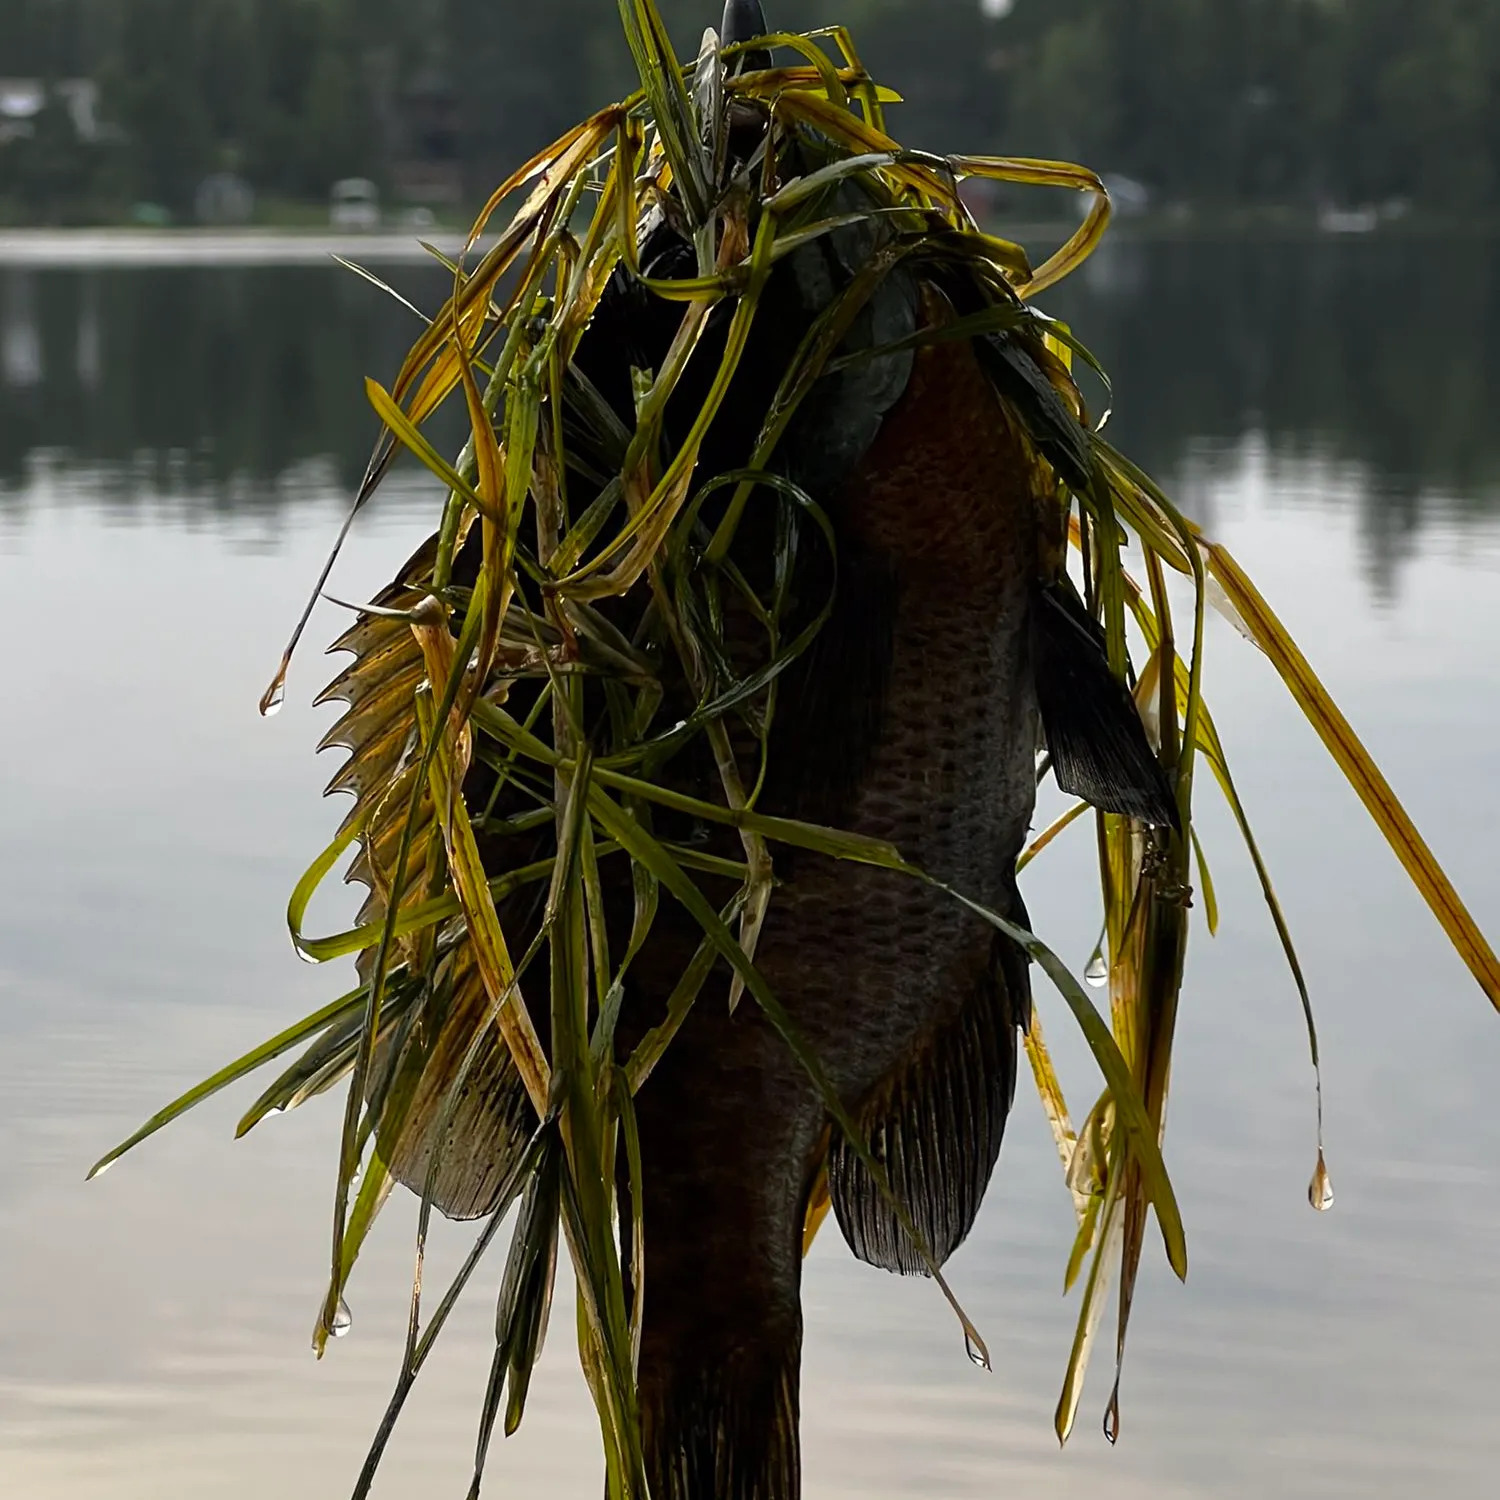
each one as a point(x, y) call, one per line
point(490, 1120)
point(491, 1117)
point(1094, 734)
point(935, 1124)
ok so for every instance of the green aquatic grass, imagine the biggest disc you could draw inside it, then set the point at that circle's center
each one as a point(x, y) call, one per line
point(441, 977)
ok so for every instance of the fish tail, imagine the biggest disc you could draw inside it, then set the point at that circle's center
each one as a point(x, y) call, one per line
point(725, 1431)
point(727, 1174)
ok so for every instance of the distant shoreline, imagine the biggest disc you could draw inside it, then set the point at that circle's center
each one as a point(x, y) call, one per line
point(41, 248)
point(139, 246)
point(44, 248)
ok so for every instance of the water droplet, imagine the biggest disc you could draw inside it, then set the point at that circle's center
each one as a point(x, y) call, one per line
point(976, 1351)
point(1097, 973)
point(1320, 1189)
point(275, 696)
point(343, 1320)
point(100, 1171)
point(1112, 1418)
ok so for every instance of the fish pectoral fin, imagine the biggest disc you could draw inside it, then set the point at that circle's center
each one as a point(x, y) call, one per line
point(1056, 431)
point(935, 1124)
point(1094, 734)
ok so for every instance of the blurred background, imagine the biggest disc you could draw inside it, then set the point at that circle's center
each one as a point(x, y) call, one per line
point(222, 110)
point(1300, 309)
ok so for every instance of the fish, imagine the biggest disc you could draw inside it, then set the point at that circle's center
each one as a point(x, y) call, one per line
point(953, 650)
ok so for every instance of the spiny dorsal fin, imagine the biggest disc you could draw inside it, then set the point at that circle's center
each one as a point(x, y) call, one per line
point(491, 1117)
point(378, 726)
point(935, 1124)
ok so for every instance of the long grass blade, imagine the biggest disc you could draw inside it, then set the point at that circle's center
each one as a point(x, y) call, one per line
point(1361, 772)
point(331, 1014)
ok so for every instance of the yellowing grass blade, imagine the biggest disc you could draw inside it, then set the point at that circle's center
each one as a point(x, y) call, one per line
point(1360, 770)
point(1037, 173)
point(1102, 1224)
point(1054, 1106)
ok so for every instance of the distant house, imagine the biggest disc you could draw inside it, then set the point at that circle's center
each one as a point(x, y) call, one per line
point(23, 99)
point(354, 203)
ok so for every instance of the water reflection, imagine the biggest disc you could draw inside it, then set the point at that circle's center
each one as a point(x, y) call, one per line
point(225, 383)
point(1375, 362)
point(154, 1341)
point(1371, 363)
point(20, 340)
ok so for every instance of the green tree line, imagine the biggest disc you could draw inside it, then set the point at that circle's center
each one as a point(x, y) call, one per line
point(1206, 102)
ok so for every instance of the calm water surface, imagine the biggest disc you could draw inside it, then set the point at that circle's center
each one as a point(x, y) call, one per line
point(174, 450)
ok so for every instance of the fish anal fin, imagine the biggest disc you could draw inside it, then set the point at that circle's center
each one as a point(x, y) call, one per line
point(1095, 736)
point(935, 1123)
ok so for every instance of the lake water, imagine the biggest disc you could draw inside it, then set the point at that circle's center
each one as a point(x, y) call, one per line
point(175, 449)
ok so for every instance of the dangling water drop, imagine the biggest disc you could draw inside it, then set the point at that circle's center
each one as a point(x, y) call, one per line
point(1112, 1418)
point(275, 696)
point(1097, 973)
point(343, 1320)
point(976, 1351)
point(1320, 1189)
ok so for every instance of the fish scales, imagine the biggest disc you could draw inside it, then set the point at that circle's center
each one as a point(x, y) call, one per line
point(870, 964)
